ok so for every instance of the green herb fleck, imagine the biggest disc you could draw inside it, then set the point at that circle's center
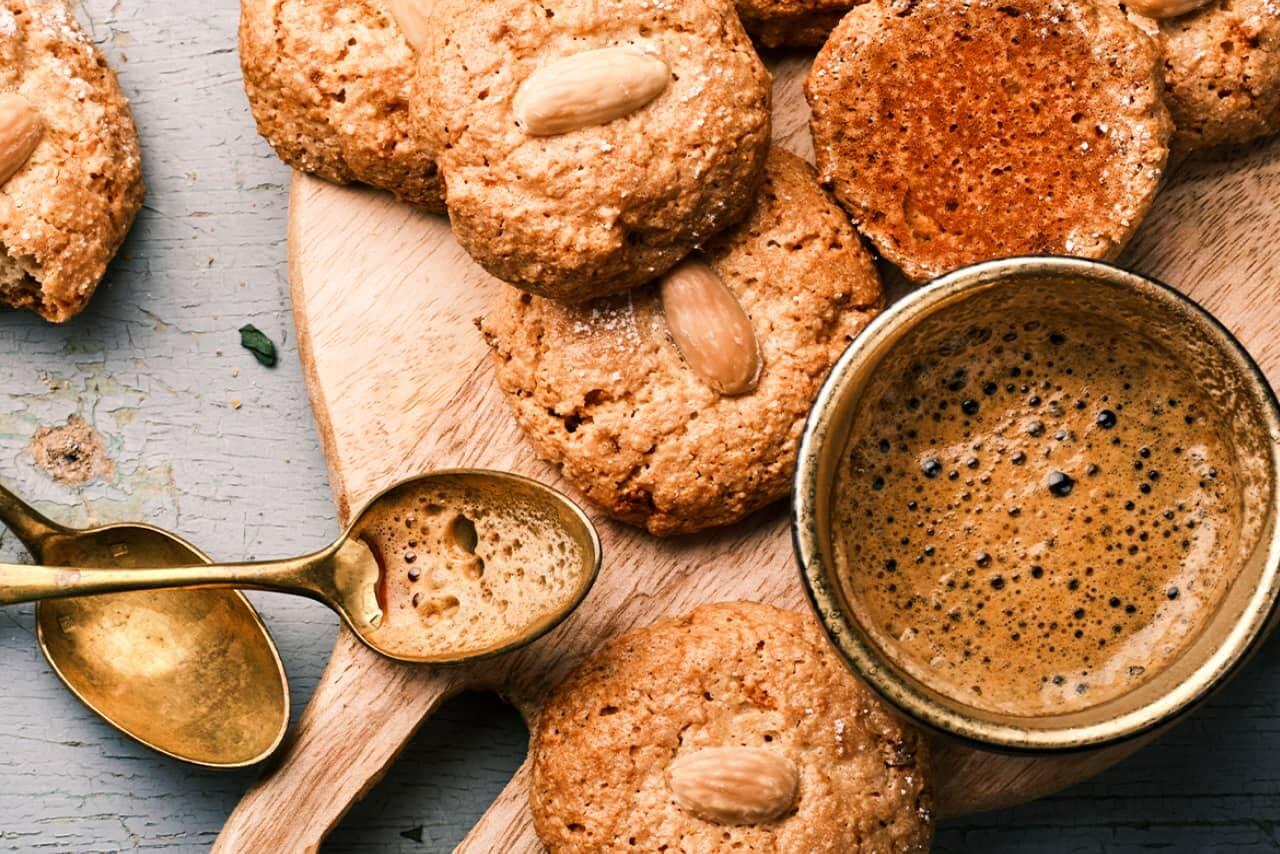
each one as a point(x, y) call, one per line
point(262, 348)
point(414, 833)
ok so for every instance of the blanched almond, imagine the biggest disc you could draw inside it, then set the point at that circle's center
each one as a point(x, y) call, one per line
point(411, 17)
point(588, 88)
point(734, 785)
point(21, 127)
point(709, 326)
point(1164, 8)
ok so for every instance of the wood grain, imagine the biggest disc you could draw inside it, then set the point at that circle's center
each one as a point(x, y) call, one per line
point(400, 383)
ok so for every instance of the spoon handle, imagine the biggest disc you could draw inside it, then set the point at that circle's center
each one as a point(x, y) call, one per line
point(26, 583)
point(27, 525)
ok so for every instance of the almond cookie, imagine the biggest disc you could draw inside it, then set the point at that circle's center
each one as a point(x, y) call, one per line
point(956, 131)
point(792, 23)
point(588, 147)
point(734, 728)
point(674, 434)
point(70, 171)
point(1221, 70)
point(330, 83)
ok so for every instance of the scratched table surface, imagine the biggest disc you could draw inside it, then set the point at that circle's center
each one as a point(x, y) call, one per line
point(199, 438)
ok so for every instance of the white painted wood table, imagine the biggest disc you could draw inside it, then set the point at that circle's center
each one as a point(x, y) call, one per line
point(212, 445)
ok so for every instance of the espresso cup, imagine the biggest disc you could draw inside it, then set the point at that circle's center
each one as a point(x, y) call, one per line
point(1240, 398)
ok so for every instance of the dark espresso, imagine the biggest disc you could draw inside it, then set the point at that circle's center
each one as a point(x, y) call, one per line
point(1038, 514)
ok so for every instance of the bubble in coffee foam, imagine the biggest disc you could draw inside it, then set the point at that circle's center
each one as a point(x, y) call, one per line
point(1081, 530)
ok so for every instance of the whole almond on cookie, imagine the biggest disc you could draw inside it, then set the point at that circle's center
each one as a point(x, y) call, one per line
point(588, 88)
point(21, 127)
point(709, 326)
point(411, 17)
point(734, 785)
point(1164, 8)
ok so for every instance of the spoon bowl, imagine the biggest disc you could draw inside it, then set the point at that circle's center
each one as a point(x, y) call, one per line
point(520, 551)
point(193, 674)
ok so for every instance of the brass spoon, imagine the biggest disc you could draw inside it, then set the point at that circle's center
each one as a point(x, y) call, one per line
point(352, 576)
point(193, 674)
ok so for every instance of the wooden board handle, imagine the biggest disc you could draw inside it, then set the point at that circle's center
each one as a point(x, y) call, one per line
point(967, 780)
point(363, 713)
point(507, 825)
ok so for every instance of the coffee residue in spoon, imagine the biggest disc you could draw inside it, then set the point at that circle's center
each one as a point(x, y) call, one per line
point(461, 574)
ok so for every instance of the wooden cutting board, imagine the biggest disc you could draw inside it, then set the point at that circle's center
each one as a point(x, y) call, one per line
point(401, 383)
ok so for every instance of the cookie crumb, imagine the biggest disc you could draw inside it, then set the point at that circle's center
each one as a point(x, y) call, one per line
point(72, 453)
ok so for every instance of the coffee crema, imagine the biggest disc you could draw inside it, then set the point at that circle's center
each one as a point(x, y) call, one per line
point(1037, 514)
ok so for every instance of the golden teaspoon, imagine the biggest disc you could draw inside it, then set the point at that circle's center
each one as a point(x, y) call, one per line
point(157, 664)
point(444, 568)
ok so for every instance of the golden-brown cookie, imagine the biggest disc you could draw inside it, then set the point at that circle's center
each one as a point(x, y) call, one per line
point(605, 206)
point(65, 210)
point(611, 744)
point(1221, 71)
point(792, 23)
point(330, 83)
point(956, 131)
point(602, 390)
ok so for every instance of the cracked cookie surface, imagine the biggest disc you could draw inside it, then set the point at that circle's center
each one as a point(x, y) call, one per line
point(729, 675)
point(605, 207)
point(66, 210)
point(956, 132)
point(330, 84)
point(601, 389)
point(1221, 71)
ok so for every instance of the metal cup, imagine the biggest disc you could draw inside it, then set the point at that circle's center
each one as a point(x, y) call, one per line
point(1249, 414)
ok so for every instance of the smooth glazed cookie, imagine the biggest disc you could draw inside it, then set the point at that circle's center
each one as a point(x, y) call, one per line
point(792, 23)
point(74, 174)
point(956, 131)
point(604, 391)
point(628, 751)
point(1221, 71)
point(330, 83)
point(573, 175)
